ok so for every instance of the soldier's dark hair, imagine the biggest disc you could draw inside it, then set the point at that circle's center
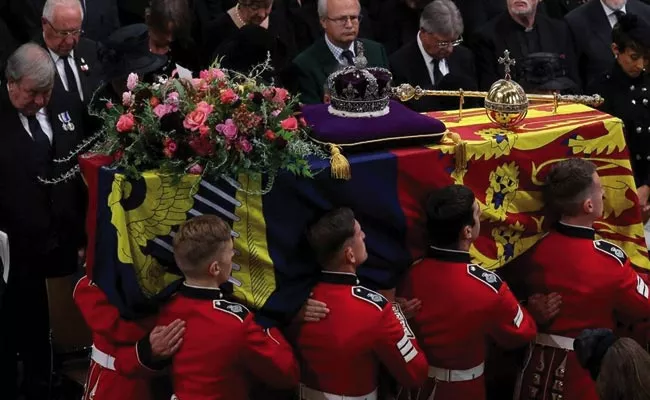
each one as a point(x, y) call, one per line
point(330, 232)
point(163, 14)
point(631, 32)
point(449, 210)
point(567, 186)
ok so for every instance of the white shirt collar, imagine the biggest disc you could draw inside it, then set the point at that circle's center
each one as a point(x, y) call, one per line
point(610, 11)
point(56, 57)
point(427, 58)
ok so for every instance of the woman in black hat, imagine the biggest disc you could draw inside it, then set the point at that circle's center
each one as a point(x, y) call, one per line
point(252, 12)
point(626, 90)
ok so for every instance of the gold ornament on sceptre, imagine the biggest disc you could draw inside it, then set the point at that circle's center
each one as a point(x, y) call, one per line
point(506, 103)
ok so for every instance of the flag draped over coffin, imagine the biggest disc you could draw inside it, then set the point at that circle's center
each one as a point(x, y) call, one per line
point(131, 223)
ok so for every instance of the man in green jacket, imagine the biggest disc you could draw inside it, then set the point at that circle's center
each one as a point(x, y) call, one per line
point(337, 49)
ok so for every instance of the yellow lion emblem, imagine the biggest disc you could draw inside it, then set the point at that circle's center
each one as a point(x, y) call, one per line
point(144, 210)
point(500, 194)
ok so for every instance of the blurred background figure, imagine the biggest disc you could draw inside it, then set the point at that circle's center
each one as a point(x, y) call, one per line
point(545, 73)
point(620, 366)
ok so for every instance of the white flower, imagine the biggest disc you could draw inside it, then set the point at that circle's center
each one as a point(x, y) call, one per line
point(155, 86)
point(162, 80)
point(132, 81)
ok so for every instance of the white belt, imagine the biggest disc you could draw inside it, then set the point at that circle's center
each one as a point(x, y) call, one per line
point(456, 375)
point(103, 359)
point(307, 393)
point(555, 341)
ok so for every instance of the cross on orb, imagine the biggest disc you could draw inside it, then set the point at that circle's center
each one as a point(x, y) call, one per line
point(507, 62)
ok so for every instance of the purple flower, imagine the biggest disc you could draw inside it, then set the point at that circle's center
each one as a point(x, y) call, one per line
point(173, 100)
point(276, 113)
point(162, 109)
point(227, 129)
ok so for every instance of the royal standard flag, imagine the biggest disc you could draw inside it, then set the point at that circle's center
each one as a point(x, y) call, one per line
point(131, 223)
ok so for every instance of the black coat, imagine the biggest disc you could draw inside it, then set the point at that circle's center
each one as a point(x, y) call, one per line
point(629, 99)
point(45, 223)
point(502, 33)
point(592, 36)
point(408, 66)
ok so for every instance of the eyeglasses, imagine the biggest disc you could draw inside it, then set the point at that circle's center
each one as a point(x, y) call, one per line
point(65, 34)
point(354, 19)
point(454, 43)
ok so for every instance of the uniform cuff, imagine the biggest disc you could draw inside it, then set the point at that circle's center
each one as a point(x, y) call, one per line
point(145, 356)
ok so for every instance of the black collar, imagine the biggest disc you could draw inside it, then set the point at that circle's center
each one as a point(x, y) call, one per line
point(575, 231)
point(200, 293)
point(449, 255)
point(340, 278)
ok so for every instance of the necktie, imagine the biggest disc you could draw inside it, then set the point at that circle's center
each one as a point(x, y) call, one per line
point(349, 57)
point(618, 14)
point(40, 138)
point(437, 74)
point(72, 81)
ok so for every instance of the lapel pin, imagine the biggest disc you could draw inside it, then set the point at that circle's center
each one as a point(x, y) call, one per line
point(84, 65)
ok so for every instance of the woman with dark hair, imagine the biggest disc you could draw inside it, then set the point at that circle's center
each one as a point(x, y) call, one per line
point(220, 33)
point(620, 367)
point(626, 90)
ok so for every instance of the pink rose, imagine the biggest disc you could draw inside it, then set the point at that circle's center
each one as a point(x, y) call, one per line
point(125, 123)
point(228, 96)
point(281, 95)
point(244, 145)
point(289, 124)
point(170, 147)
point(127, 99)
point(228, 129)
point(194, 120)
point(162, 109)
point(204, 108)
point(200, 84)
point(109, 105)
point(204, 130)
point(132, 81)
point(212, 74)
point(196, 169)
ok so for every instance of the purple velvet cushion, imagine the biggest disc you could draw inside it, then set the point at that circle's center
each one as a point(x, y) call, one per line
point(400, 123)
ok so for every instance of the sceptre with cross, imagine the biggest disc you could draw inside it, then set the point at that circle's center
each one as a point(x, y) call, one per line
point(507, 62)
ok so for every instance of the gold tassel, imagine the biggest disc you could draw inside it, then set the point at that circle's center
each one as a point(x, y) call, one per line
point(460, 149)
point(339, 164)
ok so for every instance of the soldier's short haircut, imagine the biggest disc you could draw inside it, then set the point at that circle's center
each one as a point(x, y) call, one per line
point(567, 186)
point(330, 232)
point(449, 210)
point(198, 241)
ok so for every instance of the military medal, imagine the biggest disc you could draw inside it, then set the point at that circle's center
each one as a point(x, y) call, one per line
point(66, 121)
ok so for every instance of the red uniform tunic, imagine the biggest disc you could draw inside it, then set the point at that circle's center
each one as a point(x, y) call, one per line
point(341, 354)
point(115, 371)
point(462, 305)
point(223, 348)
point(596, 281)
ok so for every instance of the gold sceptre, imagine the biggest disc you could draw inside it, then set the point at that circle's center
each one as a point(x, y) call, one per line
point(406, 92)
point(506, 103)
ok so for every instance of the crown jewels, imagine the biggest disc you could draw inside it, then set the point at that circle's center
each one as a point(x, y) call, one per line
point(356, 91)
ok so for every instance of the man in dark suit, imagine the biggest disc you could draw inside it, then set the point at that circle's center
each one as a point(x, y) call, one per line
point(77, 68)
point(591, 27)
point(522, 31)
point(434, 54)
point(338, 48)
point(37, 217)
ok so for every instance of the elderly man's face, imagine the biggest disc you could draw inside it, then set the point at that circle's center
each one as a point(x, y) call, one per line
point(522, 7)
point(438, 46)
point(62, 33)
point(615, 4)
point(342, 21)
point(26, 97)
